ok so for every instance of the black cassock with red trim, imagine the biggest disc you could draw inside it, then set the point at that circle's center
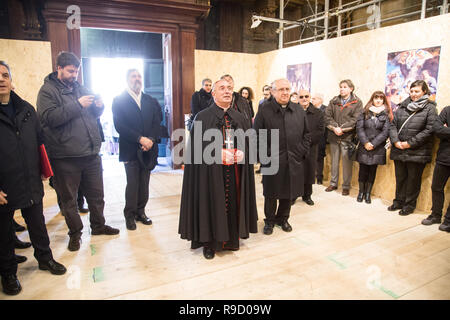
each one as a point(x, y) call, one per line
point(218, 203)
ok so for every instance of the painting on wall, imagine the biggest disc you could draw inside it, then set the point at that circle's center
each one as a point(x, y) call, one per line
point(299, 75)
point(405, 67)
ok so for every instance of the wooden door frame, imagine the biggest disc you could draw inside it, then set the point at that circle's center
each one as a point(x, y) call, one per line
point(176, 18)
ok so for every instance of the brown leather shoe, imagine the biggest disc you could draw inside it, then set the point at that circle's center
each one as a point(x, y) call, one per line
point(330, 188)
point(345, 192)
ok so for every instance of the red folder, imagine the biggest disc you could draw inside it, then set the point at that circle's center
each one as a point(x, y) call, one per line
point(46, 168)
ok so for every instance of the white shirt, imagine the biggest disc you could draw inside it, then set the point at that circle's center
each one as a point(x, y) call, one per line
point(136, 97)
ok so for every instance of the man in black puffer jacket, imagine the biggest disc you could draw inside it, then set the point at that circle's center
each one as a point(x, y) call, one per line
point(20, 183)
point(441, 172)
point(412, 143)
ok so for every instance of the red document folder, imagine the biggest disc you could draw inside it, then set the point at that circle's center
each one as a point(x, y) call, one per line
point(46, 168)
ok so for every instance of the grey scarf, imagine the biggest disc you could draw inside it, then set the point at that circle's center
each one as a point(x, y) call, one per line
point(419, 104)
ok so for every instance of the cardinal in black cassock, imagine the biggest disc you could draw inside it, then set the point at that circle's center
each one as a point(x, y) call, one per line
point(218, 203)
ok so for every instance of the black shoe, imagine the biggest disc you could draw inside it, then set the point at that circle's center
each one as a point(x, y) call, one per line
point(208, 253)
point(431, 219)
point(394, 207)
point(52, 266)
point(74, 243)
point(18, 244)
point(131, 225)
point(144, 219)
point(405, 212)
point(319, 181)
point(258, 171)
point(308, 201)
point(268, 228)
point(106, 230)
point(20, 259)
point(18, 227)
point(11, 285)
point(367, 198)
point(285, 226)
point(82, 209)
point(445, 227)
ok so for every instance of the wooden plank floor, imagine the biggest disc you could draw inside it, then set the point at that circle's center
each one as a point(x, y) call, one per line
point(338, 249)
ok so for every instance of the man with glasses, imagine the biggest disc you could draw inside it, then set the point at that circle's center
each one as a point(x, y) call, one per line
point(290, 121)
point(316, 128)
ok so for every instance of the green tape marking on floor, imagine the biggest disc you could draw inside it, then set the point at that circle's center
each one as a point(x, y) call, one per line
point(93, 250)
point(98, 275)
point(340, 264)
point(389, 292)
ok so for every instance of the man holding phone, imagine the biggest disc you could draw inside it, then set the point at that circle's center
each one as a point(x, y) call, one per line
point(68, 114)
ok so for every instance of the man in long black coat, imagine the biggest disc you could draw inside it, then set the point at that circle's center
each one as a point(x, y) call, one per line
point(201, 99)
point(137, 120)
point(218, 203)
point(316, 127)
point(294, 141)
point(20, 183)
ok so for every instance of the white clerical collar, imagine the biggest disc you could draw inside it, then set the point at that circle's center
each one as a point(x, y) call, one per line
point(136, 97)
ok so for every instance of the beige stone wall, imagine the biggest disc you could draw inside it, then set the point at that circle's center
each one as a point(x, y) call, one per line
point(243, 67)
point(360, 57)
point(30, 63)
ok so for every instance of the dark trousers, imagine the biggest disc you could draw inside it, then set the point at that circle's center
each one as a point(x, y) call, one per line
point(441, 174)
point(137, 190)
point(307, 190)
point(37, 230)
point(270, 208)
point(319, 168)
point(70, 173)
point(367, 173)
point(408, 180)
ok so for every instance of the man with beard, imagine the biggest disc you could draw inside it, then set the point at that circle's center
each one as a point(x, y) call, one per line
point(201, 99)
point(137, 120)
point(218, 203)
point(68, 113)
point(281, 114)
point(316, 128)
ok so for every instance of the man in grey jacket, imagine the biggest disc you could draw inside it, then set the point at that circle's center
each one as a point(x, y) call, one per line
point(68, 114)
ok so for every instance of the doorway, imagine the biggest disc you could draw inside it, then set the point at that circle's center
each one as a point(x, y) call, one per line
point(106, 56)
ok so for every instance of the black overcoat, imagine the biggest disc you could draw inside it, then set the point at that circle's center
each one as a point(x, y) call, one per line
point(20, 173)
point(132, 123)
point(294, 145)
point(316, 126)
point(374, 129)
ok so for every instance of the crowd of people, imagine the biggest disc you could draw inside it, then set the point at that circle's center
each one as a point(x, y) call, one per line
point(354, 132)
point(218, 201)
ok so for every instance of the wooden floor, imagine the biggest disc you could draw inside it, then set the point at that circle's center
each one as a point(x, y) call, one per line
point(338, 249)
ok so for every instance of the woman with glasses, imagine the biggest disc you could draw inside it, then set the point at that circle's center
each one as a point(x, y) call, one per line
point(372, 129)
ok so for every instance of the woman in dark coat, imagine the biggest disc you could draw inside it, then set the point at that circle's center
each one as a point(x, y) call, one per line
point(247, 94)
point(372, 129)
point(411, 138)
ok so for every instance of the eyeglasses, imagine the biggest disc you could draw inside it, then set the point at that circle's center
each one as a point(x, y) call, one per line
point(301, 97)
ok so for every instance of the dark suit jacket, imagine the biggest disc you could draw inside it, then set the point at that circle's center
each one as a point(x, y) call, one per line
point(133, 123)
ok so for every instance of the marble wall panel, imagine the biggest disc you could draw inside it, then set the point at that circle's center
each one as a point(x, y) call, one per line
point(30, 63)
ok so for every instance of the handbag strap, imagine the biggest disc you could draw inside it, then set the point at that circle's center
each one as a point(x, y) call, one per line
point(403, 125)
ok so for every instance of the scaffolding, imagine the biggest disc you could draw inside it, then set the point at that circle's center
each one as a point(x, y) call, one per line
point(324, 32)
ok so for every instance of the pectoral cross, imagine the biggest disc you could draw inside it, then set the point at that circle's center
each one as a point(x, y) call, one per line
point(229, 141)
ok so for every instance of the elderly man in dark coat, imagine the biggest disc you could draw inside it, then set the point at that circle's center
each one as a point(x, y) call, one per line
point(20, 183)
point(294, 143)
point(316, 125)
